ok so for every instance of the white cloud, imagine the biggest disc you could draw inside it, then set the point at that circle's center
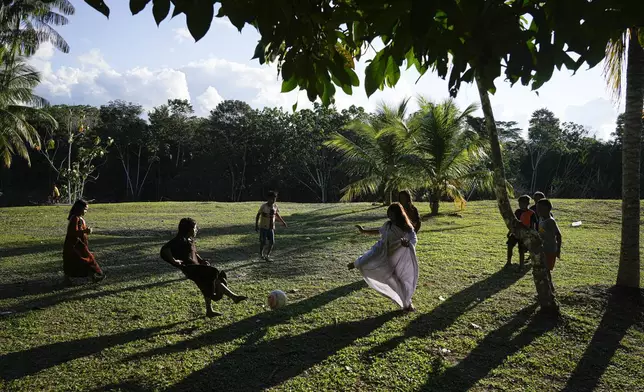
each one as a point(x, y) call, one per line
point(182, 34)
point(208, 100)
point(225, 22)
point(205, 82)
point(95, 82)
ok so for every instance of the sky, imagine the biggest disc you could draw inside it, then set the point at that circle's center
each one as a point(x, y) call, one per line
point(130, 58)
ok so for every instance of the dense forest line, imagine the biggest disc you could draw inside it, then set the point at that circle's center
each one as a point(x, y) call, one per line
point(118, 152)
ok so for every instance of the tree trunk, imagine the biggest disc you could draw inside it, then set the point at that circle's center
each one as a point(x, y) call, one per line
point(69, 161)
point(434, 205)
point(628, 274)
point(530, 238)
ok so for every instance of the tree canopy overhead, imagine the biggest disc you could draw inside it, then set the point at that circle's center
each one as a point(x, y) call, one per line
point(314, 43)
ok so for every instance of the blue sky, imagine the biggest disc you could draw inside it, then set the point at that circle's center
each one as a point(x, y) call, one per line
point(129, 57)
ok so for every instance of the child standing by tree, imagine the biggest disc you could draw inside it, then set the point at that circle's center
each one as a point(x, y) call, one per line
point(182, 253)
point(529, 219)
point(536, 197)
point(550, 235)
point(265, 225)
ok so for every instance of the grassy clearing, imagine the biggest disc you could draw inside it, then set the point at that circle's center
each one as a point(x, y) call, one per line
point(475, 329)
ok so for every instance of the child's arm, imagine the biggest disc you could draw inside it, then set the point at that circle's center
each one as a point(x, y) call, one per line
point(257, 220)
point(166, 254)
point(368, 231)
point(279, 218)
point(558, 239)
point(201, 260)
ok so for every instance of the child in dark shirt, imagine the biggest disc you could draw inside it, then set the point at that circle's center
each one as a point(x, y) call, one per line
point(529, 219)
point(182, 253)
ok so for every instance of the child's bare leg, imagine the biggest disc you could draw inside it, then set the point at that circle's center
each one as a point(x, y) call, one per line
point(209, 310)
point(521, 259)
point(270, 248)
point(552, 286)
point(510, 251)
point(228, 293)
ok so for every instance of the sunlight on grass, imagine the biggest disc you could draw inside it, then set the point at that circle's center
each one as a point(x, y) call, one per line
point(144, 328)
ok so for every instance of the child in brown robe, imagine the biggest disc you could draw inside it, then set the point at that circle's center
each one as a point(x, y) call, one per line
point(78, 261)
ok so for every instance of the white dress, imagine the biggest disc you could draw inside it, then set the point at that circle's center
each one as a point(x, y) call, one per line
point(390, 268)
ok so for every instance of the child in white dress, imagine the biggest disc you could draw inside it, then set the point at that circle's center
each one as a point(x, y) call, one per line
point(390, 266)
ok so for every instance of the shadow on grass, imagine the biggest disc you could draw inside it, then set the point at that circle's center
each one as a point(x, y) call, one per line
point(622, 311)
point(445, 314)
point(24, 363)
point(254, 328)
point(81, 293)
point(254, 367)
point(491, 352)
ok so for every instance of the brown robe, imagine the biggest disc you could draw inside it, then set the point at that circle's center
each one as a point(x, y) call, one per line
point(78, 261)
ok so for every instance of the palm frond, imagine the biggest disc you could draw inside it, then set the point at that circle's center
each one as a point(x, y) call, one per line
point(614, 64)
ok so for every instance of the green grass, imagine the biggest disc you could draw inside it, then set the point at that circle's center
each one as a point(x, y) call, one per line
point(143, 328)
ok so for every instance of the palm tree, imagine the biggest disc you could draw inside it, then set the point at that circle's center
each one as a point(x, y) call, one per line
point(449, 152)
point(25, 24)
point(627, 48)
point(377, 153)
point(19, 107)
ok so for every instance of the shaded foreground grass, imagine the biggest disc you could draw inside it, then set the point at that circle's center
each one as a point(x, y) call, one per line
point(476, 327)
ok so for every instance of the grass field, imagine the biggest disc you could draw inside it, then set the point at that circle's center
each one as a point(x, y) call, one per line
point(476, 328)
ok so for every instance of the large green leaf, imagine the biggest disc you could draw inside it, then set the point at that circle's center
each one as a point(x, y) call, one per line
point(289, 85)
point(160, 10)
point(375, 73)
point(199, 18)
point(137, 6)
point(100, 6)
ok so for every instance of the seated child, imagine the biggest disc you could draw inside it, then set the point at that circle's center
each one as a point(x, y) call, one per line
point(182, 253)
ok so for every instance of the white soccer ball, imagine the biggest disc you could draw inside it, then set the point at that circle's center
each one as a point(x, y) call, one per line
point(277, 299)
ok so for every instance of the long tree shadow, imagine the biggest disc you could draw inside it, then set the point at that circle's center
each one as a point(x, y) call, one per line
point(445, 314)
point(23, 363)
point(491, 352)
point(54, 285)
point(254, 367)
point(621, 313)
point(83, 293)
point(255, 327)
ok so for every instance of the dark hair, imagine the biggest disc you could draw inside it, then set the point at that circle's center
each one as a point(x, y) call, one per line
point(77, 209)
point(401, 217)
point(546, 203)
point(185, 225)
point(524, 199)
point(539, 194)
point(272, 195)
point(408, 195)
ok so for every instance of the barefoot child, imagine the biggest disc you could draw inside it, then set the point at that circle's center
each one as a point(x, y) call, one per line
point(550, 235)
point(265, 224)
point(182, 253)
point(78, 261)
point(529, 219)
point(390, 266)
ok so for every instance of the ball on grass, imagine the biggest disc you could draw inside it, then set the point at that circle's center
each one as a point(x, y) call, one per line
point(277, 299)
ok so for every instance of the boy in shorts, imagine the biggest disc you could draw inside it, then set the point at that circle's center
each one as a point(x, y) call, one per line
point(265, 225)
